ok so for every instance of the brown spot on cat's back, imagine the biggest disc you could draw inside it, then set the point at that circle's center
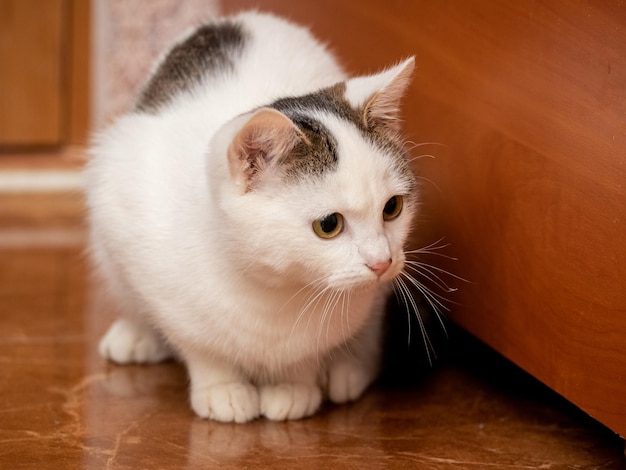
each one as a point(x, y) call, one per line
point(211, 49)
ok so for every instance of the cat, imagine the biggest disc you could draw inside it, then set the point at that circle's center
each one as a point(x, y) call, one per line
point(249, 215)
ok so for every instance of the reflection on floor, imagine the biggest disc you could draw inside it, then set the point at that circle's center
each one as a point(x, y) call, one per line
point(63, 407)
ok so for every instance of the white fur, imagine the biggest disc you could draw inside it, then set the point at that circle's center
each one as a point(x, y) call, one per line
point(265, 314)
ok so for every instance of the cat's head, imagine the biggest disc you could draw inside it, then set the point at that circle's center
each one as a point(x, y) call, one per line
point(319, 189)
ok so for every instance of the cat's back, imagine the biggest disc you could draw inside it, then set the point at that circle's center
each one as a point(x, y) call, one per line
point(237, 63)
point(214, 73)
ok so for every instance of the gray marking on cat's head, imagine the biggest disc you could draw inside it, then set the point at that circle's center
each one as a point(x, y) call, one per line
point(315, 155)
point(211, 48)
point(330, 100)
point(319, 155)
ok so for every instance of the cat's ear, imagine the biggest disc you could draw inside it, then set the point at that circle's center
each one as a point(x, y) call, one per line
point(379, 95)
point(266, 136)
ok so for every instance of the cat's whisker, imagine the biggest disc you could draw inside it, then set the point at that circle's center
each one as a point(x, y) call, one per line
point(428, 180)
point(330, 314)
point(310, 285)
point(319, 290)
point(324, 314)
point(437, 271)
point(344, 319)
point(428, 346)
point(430, 272)
point(312, 307)
point(434, 300)
point(401, 296)
point(411, 145)
point(432, 249)
point(323, 317)
point(419, 157)
point(345, 312)
point(430, 253)
point(313, 303)
point(405, 282)
point(436, 245)
point(334, 300)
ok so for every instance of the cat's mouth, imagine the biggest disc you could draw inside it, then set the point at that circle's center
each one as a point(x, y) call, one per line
point(367, 281)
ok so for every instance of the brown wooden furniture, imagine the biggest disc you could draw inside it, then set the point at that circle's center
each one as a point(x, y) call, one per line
point(44, 76)
point(528, 100)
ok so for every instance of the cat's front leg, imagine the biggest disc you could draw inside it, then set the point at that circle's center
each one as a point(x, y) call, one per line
point(296, 396)
point(353, 367)
point(348, 378)
point(219, 391)
point(128, 341)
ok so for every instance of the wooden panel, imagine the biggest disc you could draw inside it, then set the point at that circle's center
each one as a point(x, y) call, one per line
point(532, 186)
point(31, 41)
point(77, 86)
point(529, 101)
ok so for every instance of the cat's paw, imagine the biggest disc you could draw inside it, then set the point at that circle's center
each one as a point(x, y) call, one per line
point(232, 402)
point(289, 401)
point(127, 342)
point(347, 381)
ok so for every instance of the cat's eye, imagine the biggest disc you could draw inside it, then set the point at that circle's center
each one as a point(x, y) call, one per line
point(392, 208)
point(328, 226)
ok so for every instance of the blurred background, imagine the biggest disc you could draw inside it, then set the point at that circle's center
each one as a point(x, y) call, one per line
point(70, 65)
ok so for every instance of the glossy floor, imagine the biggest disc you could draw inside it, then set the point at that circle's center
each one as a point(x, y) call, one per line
point(61, 406)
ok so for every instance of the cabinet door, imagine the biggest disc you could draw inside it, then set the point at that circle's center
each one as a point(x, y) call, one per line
point(43, 73)
point(31, 37)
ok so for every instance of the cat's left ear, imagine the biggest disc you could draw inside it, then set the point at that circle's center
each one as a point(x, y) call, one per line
point(265, 137)
point(379, 95)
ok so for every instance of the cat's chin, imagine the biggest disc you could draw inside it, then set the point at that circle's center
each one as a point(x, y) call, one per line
point(361, 285)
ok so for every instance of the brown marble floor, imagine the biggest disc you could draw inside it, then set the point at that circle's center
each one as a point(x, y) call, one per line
point(62, 407)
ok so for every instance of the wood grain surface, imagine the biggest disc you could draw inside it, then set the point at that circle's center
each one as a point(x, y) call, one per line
point(525, 103)
point(44, 76)
point(31, 88)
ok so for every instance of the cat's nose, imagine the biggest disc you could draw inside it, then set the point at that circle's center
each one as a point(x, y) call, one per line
point(380, 268)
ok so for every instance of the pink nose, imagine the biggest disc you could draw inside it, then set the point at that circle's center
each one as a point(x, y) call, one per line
point(380, 268)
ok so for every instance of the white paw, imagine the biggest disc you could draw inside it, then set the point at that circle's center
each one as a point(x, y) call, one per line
point(233, 402)
point(347, 381)
point(127, 342)
point(289, 401)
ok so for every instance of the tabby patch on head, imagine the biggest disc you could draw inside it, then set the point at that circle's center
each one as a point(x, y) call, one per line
point(290, 134)
point(374, 115)
point(210, 49)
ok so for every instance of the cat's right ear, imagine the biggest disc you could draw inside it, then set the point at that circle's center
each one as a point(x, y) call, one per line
point(264, 139)
point(379, 95)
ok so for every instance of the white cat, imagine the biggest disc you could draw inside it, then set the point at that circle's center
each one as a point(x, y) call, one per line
point(248, 216)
